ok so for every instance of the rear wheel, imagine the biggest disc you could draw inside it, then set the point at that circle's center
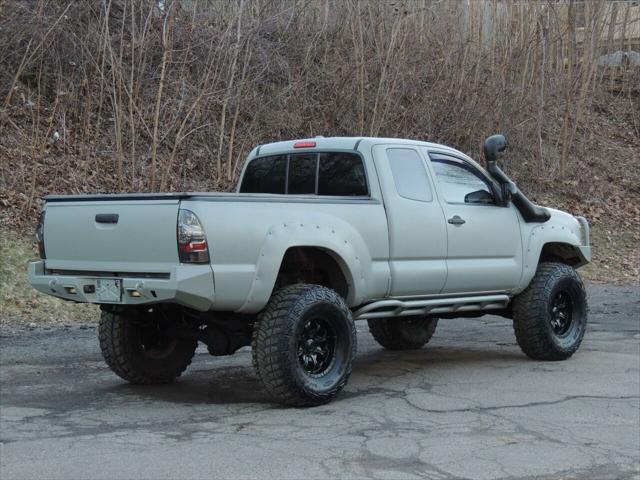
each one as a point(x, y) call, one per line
point(408, 333)
point(550, 316)
point(134, 347)
point(304, 344)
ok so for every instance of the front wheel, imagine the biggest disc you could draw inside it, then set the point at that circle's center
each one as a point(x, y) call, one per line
point(304, 343)
point(550, 316)
point(134, 347)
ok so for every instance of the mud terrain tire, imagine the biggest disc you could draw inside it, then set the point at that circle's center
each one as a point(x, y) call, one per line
point(122, 341)
point(304, 343)
point(409, 333)
point(550, 315)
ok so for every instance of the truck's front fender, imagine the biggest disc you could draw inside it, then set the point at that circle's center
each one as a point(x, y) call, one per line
point(562, 230)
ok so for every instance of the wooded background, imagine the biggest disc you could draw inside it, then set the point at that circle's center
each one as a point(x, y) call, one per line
point(140, 95)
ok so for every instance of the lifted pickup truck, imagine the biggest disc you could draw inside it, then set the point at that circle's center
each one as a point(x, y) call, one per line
point(320, 233)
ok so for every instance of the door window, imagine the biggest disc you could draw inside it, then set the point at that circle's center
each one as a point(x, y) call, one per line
point(409, 174)
point(460, 183)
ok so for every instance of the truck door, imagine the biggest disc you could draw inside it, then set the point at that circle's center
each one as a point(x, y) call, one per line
point(417, 228)
point(484, 243)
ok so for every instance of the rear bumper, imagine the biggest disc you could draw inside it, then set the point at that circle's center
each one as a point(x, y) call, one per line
point(188, 285)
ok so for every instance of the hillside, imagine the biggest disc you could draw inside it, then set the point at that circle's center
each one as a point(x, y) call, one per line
point(129, 95)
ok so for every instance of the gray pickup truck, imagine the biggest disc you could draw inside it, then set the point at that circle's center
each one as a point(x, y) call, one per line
point(321, 232)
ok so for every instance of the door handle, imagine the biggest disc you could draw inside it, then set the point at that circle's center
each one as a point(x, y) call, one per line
point(107, 218)
point(456, 220)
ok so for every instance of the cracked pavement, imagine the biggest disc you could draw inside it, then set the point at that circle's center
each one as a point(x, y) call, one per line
point(469, 405)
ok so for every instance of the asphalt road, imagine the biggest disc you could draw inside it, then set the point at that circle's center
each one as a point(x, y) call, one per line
point(470, 405)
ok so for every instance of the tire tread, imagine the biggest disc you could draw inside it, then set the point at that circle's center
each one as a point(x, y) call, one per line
point(387, 332)
point(118, 355)
point(530, 313)
point(270, 340)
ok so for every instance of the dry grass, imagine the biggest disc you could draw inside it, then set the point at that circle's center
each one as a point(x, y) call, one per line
point(19, 303)
point(616, 256)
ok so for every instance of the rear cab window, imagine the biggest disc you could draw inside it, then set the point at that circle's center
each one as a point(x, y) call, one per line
point(322, 173)
point(265, 175)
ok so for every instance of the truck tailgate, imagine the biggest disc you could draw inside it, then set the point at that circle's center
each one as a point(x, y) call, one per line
point(112, 235)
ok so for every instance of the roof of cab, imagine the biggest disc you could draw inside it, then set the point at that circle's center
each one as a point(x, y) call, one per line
point(344, 143)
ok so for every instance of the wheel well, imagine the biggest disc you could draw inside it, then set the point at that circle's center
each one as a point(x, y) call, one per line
point(561, 253)
point(312, 265)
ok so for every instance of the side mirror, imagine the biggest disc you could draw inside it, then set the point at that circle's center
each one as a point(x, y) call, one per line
point(494, 145)
point(479, 196)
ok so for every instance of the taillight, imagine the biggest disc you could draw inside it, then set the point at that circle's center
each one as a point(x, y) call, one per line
point(192, 242)
point(40, 236)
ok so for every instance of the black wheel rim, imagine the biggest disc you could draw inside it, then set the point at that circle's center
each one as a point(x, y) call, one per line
point(153, 343)
point(562, 313)
point(316, 347)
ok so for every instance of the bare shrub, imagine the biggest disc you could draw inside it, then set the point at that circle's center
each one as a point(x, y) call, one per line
point(117, 95)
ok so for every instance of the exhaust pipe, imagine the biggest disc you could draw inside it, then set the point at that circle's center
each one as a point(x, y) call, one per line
point(531, 213)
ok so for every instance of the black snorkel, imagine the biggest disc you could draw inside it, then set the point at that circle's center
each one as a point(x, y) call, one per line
point(530, 212)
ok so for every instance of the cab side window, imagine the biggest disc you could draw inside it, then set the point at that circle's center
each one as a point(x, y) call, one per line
point(460, 183)
point(409, 174)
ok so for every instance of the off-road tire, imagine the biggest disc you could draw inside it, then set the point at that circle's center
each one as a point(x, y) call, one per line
point(122, 349)
point(405, 333)
point(533, 313)
point(276, 345)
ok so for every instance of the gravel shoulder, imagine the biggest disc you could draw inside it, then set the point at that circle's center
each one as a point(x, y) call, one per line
point(470, 405)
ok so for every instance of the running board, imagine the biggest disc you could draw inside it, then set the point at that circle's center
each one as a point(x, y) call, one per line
point(402, 308)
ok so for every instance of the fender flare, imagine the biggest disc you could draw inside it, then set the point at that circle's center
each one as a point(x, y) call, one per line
point(550, 232)
point(338, 241)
